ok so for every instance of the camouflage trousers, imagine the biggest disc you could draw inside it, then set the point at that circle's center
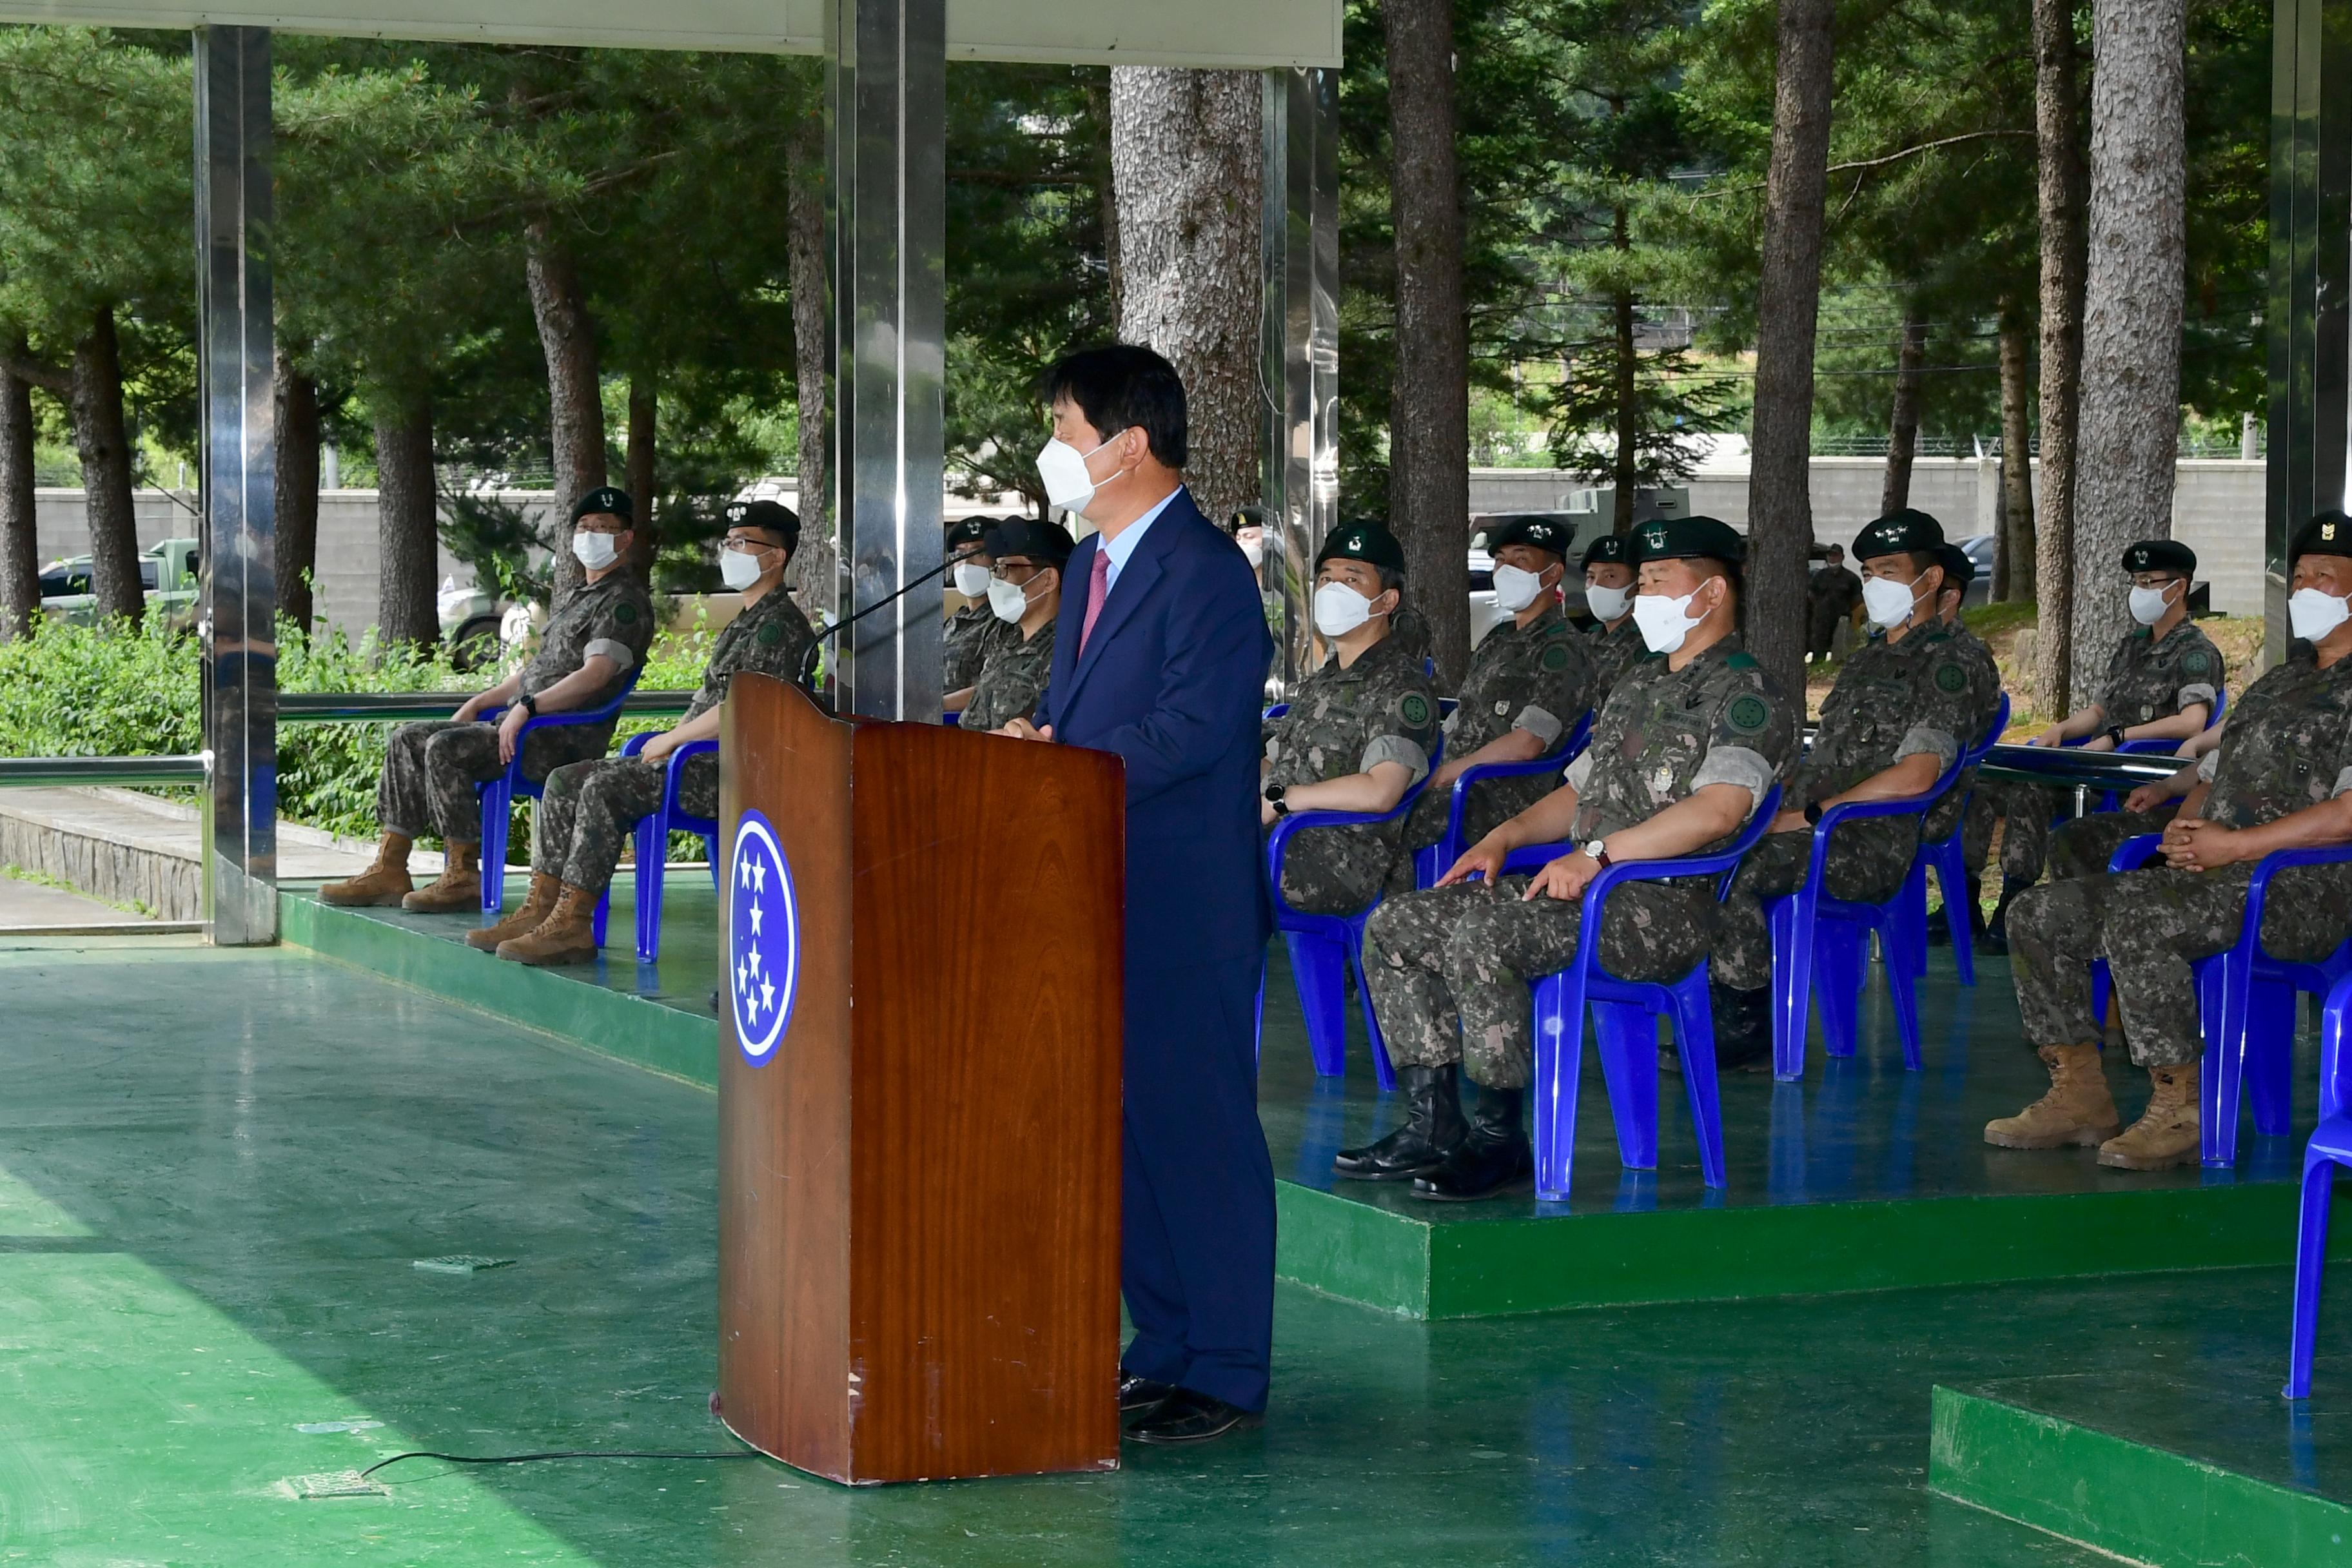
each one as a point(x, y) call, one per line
point(1335, 870)
point(431, 769)
point(1449, 968)
point(1492, 802)
point(2150, 925)
point(1866, 864)
point(2025, 811)
point(2084, 847)
point(590, 808)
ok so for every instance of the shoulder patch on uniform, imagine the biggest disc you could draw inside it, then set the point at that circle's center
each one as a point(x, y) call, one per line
point(1414, 708)
point(1950, 676)
point(1556, 656)
point(772, 634)
point(625, 612)
point(2196, 661)
point(1740, 660)
point(1748, 713)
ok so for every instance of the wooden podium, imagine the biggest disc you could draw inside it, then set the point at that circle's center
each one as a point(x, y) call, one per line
point(919, 1157)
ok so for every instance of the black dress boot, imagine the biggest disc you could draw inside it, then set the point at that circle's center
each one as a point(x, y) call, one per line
point(1433, 1130)
point(1939, 921)
point(1743, 1030)
point(1996, 933)
point(1493, 1157)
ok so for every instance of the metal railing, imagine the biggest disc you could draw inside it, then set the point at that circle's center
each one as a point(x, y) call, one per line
point(401, 707)
point(23, 772)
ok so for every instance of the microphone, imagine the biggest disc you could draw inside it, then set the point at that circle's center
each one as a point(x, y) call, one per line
point(816, 644)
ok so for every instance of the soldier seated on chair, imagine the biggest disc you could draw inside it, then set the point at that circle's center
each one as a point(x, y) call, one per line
point(1691, 742)
point(2281, 778)
point(1903, 705)
point(597, 633)
point(1024, 596)
point(590, 807)
point(1612, 642)
point(1530, 683)
point(1359, 731)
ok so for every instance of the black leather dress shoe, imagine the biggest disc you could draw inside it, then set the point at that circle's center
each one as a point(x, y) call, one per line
point(1189, 1417)
point(1137, 1391)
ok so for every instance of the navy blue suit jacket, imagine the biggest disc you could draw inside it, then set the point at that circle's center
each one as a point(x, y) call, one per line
point(1173, 680)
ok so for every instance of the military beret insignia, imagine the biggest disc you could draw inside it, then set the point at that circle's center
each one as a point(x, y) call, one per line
point(770, 635)
point(1950, 676)
point(1556, 656)
point(1414, 707)
point(1748, 714)
point(625, 613)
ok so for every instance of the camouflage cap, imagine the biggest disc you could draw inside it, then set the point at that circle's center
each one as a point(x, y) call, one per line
point(773, 516)
point(1048, 542)
point(2330, 534)
point(1608, 550)
point(1534, 529)
point(1897, 532)
point(1958, 570)
point(1366, 541)
point(609, 498)
point(2160, 555)
point(1681, 538)
point(971, 530)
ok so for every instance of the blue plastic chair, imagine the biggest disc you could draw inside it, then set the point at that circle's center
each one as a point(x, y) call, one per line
point(1950, 861)
point(653, 832)
point(497, 796)
point(2330, 1147)
point(2246, 1007)
point(1624, 1024)
point(2109, 799)
point(1821, 943)
point(1325, 948)
point(1433, 861)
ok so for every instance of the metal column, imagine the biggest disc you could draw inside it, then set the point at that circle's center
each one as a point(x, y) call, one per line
point(238, 598)
point(1302, 341)
point(885, 91)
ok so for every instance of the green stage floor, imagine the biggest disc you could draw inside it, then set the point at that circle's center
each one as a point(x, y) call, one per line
point(218, 1169)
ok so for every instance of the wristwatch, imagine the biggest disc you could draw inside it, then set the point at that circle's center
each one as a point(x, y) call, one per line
point(1273, 794)
point(2116, 736)
point(1599, 850)
point(529, 705)
point(1813, 814)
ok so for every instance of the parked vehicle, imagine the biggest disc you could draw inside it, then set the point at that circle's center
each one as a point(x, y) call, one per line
point(167, 573)
point(471, 619)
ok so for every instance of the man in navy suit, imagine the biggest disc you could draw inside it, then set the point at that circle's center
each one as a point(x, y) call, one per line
point(1160, 655)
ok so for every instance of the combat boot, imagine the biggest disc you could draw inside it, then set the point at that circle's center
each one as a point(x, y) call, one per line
point(523, 921)
point(2077, 1109)
point(568, 935)
point(457, 887)
point(2168, 1132)
point(1996, 931)
point(1493, 1157)
point(1433, 1130)
point(385, 882)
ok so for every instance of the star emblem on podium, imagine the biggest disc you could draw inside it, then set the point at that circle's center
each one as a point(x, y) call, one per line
point(763, 938)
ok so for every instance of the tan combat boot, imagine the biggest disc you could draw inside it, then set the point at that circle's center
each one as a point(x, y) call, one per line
point(2077, 1109)
point(457, 889)
point(2168, 1132)
point(568, 935)
point(521, 921)
point(385, 882)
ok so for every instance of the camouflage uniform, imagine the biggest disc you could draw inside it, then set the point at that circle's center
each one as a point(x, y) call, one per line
point(430, 769)
point(970, 632)
point(1534, 678)
point(1892, 701)
point(2146, 680)
point(2288, 747)
point(589, 807)
point(1449, 968)
point(1983, 707)
point(1831, 594)
point(1382, 709)
point(1012, 680)
point(1612, 654)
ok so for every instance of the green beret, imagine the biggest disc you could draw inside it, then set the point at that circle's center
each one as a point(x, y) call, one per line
point(2330, 534)
point(1958, 570)
point(1608, 550)
point(604, 499)
point(2160, 555)
point(1366, 542)
point(1896, 532)
point(1046, 542)
point(773, 516)
point(971, 530)
point(1531, 529)
point(1681, 538)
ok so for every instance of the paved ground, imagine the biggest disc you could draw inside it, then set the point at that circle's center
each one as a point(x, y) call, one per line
point(23, 903)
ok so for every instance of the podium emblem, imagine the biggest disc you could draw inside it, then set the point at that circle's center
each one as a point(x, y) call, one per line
point(763, 927)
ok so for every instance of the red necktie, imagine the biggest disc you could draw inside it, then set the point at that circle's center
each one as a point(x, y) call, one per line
point(1098, 585)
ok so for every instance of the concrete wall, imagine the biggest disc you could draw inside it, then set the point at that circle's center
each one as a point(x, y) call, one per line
point(2216, 507)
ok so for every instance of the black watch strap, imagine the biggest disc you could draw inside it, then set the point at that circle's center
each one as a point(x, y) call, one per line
point(2115, 734)
point(529, 704)
point(1813, 813)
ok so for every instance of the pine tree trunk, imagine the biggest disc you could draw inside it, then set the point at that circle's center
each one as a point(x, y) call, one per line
point(2132, 291)
point(1106, 193)
point(1187, 166)
point(1788, 308)
point(2057, 114)
point(406, 611)
point(104, 443)
point(1429, 418)
point(299, 439)
point(20, 551)
point(644, 539)
point(812, 573)
point(1903, 424)
point(567, 336)
point(2012, 577)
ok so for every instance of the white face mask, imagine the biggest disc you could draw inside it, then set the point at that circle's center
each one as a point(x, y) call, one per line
point(1009, 600)
point(1516, 588)
point(1340, 609)
point(2148, 605)
point(2313, 613)
point(1069, 485)
point(1664, 622)
point(595, 551)
point(1254, 551)
point(738, 569)
point(1608, 604)
point(1889, 604)
point(971, 580)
